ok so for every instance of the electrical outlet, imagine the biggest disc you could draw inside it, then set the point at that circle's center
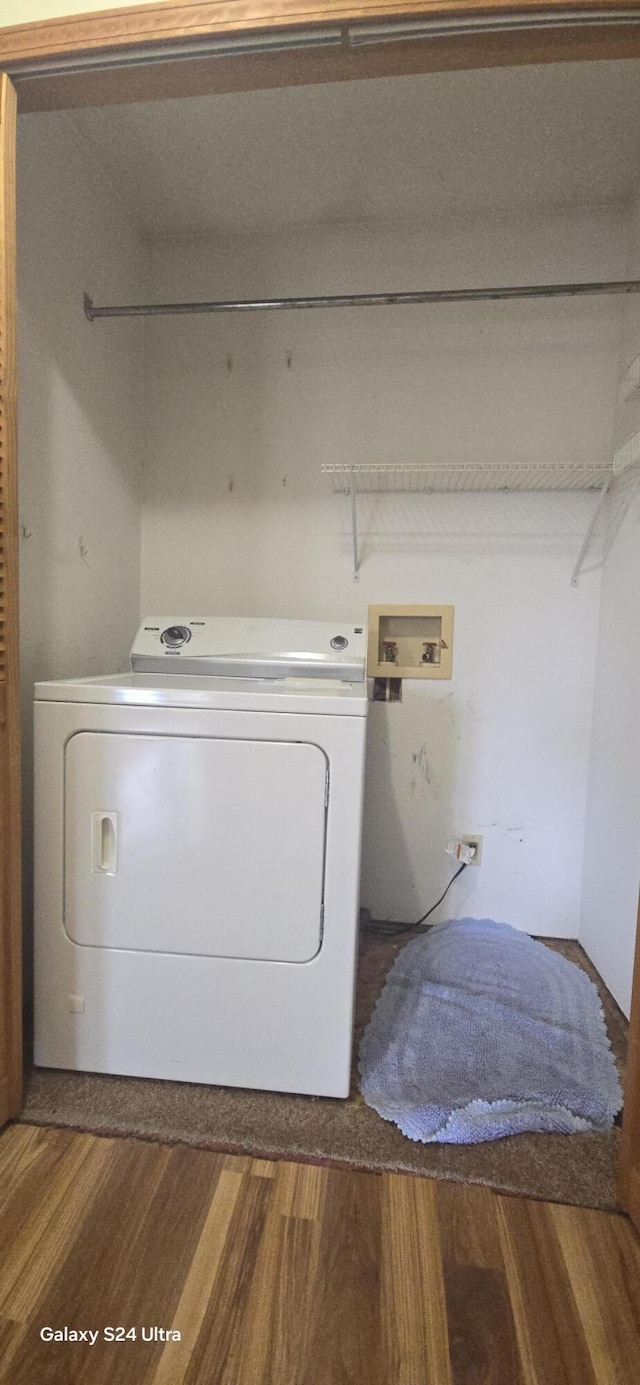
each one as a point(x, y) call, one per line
point(473, 839)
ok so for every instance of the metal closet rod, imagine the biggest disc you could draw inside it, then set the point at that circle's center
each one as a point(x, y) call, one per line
point(362, 300)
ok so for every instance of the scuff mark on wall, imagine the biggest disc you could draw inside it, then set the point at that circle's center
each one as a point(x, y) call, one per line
point(421, 760)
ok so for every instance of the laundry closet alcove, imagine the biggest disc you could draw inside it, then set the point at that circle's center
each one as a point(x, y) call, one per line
point(230, 463)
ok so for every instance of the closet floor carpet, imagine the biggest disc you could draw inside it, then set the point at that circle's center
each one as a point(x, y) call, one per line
point(576, 1169)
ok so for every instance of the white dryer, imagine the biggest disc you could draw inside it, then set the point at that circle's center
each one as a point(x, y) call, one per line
point(197, 854)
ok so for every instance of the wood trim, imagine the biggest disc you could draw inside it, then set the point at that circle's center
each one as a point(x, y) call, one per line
point(174, 20)
point(184, 77)
point(10, 790)
point(629, 1170)
point(632, 1207)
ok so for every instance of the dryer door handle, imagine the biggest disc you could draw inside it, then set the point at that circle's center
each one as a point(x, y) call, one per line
point(104, 843)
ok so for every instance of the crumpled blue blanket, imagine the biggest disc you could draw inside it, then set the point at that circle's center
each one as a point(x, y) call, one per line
point(481, 1032)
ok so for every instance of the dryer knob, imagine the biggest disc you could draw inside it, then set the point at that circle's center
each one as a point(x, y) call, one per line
point(339, 642)
point(175, 635)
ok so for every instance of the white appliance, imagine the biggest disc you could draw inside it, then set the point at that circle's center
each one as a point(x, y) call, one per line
point(197, 856)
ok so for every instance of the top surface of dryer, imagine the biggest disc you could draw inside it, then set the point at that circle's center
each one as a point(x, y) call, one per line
point(233, 664)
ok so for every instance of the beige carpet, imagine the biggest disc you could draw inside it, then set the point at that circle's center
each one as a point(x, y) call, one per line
point(578, 1169)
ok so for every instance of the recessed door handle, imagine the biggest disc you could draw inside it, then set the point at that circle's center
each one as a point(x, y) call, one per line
point(104, 843)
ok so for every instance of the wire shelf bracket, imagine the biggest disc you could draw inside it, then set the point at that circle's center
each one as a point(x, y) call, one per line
point(575, 575)
point(354, 533)
point(630, 382)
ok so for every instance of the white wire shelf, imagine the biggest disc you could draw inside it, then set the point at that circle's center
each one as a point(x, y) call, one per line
point(616, 484)
point(427, 477)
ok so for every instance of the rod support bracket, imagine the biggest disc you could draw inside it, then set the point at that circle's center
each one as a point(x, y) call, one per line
point(88, 308)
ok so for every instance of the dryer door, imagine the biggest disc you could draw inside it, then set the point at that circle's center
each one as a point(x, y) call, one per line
point(195, 845)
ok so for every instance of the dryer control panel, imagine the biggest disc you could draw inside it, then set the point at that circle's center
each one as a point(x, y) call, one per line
point(243, 647)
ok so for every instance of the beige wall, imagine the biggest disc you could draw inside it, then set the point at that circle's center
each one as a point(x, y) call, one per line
point(78, 423)
point(26, 11)
point(238, 519)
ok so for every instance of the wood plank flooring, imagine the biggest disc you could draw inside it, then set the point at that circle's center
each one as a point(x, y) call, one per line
point(290, 1274)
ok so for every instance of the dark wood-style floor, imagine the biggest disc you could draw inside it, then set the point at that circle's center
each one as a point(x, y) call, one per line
point(291, 1274)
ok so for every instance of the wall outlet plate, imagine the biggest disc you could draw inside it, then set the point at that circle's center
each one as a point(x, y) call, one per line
point(474, 839)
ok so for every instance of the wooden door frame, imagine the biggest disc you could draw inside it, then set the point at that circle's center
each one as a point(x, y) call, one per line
point(629, 1168)
point(10, 787)
point(199, 19)
point(28, 51)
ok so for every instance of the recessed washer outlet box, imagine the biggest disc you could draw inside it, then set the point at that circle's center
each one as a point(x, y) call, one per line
point(410, 641)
